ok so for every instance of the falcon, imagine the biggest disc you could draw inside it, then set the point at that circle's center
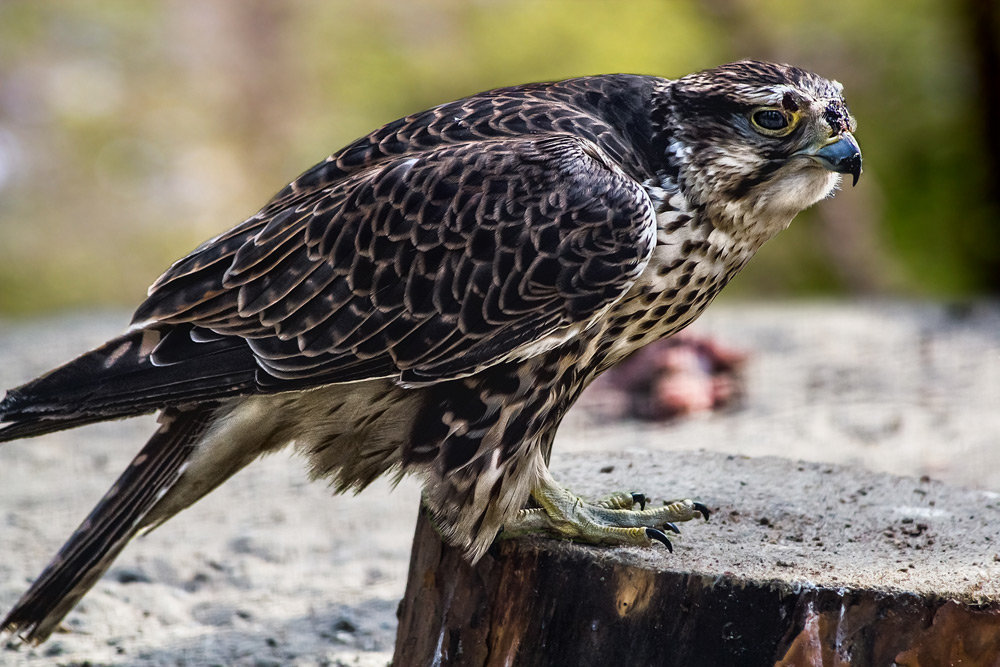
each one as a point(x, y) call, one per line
point(432, 299)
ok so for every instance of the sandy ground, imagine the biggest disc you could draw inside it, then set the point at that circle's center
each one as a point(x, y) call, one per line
point(273, 570)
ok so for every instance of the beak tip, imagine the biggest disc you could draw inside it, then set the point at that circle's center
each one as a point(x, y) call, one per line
point(856, 169)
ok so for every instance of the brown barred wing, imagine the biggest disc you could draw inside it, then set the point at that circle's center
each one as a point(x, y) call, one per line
point(423, 267)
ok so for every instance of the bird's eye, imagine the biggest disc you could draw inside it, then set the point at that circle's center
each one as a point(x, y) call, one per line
point(772, 122)
point(769, 119)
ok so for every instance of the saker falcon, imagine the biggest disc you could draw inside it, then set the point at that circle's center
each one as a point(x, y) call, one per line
point(432, 299)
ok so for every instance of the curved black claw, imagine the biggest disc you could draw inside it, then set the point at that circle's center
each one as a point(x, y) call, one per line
point(672, 527)
point(659, 536)
point(639, 499)
point(700, 507)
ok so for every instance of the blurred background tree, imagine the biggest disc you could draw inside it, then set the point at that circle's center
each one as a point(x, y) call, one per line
point(131, 131)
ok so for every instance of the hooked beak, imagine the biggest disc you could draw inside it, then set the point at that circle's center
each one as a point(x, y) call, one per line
point(840, 154)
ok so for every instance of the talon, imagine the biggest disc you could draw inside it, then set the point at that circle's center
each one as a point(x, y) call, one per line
point(639, 499)
point(659, 536)
point(615, 519)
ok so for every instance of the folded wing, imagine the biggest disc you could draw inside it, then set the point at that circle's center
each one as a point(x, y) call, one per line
point(420, 267)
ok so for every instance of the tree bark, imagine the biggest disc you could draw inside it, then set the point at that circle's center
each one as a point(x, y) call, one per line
point(844, 567)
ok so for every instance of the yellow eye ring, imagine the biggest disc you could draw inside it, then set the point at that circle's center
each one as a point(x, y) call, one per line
point(773, 121)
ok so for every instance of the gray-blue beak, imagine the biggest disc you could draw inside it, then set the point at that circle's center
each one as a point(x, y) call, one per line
point(842, 155)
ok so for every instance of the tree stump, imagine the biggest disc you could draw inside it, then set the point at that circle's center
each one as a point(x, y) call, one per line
point(801, 564)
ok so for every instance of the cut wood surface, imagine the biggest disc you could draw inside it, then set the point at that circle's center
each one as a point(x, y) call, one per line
point(801, 564)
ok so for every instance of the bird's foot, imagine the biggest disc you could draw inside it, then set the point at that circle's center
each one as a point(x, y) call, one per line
point(611, 520)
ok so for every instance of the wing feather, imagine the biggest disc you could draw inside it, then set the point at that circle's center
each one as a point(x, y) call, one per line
point(432, 264)
point(439, 244)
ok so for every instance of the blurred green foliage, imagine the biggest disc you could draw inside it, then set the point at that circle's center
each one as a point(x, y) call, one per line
point(130, 132)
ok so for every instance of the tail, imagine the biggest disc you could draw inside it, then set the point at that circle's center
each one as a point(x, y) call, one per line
point(137, 373)
point(117, 518)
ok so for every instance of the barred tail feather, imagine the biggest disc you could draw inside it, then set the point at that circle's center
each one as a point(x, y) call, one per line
point(116, 519)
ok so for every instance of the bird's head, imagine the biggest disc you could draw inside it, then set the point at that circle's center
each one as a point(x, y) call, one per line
point(758, 142)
